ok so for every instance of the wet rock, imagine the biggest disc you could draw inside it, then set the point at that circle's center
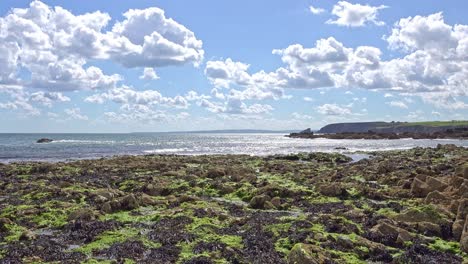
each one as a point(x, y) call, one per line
point(83, 214)
point(306, 254)
point(259, 201)
point(44, 140)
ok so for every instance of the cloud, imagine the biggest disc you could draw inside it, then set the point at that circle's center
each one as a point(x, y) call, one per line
point(428, 33)
point(308, 99)
point(149, 39)
point(316, 10)
point(235, 106)
point(355, 15)
point(398, 104)
point(299, 116)
point(128, 96)
point(149, 74)
point(55, 46)
point(333, 110)
point(75, 113)
point(48, 98)
point(231, 74)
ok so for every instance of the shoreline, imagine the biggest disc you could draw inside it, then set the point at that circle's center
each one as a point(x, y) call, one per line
point(400, 205)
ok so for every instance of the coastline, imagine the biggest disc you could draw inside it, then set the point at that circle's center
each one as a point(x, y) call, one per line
point(400, 205)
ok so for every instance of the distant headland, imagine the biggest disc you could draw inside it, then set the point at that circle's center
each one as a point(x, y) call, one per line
point(389, 130)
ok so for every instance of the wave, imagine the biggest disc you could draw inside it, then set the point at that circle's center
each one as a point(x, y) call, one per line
point(167, 150)
point(84, 141)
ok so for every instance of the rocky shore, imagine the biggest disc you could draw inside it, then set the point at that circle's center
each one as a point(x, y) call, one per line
point(460, 133)
point(396, 207)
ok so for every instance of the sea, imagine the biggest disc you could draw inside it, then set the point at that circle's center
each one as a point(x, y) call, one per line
point(65, 147)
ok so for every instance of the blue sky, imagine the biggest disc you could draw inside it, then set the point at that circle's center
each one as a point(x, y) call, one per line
point(91, 66)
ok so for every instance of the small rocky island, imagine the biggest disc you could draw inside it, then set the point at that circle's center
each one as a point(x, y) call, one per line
point(406, 206)
point(392, 130)
point(44, 140)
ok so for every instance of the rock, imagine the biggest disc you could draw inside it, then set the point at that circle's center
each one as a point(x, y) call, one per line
point(276, 201)
point(427, 214)
point(106, 207)
point(386, 230)
point(82, 214)
point(146, 200)
point(429, 229)
point(435, 184)
point(27, 235)
point(462, 171)
point(306, 254)
point(44, 140)
point(215, 173)
point(435, 196)
point(464, 237)
point(419, 188)
point(457, 229)
point(129, 202)
point(462, 210)
point(333, 190)
point(258, 202)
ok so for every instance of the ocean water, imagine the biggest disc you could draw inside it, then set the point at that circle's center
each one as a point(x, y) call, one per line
point(23, 147)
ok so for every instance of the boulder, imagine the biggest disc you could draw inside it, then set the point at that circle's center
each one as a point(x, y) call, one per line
point(307, 254)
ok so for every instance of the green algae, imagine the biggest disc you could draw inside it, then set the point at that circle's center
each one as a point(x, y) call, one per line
point(107, 239)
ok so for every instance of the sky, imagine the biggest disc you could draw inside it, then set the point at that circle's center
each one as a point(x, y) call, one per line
point(173, 65)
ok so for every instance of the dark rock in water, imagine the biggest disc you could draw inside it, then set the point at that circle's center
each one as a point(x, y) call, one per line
point(44, 140)
point(341, 148)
